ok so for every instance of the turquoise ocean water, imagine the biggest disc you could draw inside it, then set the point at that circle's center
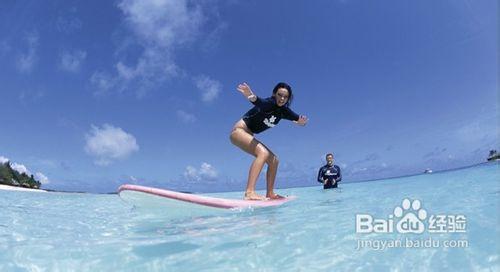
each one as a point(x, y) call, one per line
point(316, 232)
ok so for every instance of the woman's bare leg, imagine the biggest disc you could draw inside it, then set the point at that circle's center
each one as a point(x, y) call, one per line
point(272, 169)
point(244, 140)
point(254, 173)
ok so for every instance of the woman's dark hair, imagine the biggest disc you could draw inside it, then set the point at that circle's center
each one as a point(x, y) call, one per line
point(288, 88)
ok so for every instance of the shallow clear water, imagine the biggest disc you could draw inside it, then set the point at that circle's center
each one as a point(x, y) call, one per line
point(316, 232)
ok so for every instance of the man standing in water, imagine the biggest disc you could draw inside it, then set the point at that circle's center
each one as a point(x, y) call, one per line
point(329, 174)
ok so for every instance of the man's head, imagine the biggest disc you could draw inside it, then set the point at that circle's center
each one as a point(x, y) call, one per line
point(329, 159)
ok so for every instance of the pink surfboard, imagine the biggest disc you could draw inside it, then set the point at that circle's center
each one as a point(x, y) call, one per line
point(149, 196)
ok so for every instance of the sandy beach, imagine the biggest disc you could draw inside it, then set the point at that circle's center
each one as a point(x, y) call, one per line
point(14, 188)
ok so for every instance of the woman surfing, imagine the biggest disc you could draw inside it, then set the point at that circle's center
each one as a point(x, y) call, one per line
point(266, 113)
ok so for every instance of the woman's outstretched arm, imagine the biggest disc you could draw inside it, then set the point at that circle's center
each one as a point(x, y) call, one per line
point(302, 120)
point(247, 92)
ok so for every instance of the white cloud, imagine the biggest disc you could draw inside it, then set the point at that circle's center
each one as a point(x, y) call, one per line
point(109, 143)
point(160, 26)
point(163, 23)
point(186, 117)
point(69, 24)
point(210, 88)
point(208, 171)
point(42, 178)
point(72, 61)
point(213, 38)
point(191, 173)
point(103, 81)
point(20, 168)
point(3, 159)
point(125, 72)
point(26, 61)
point(205, 172)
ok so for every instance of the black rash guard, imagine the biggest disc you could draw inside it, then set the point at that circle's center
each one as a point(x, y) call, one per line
point(266, 114)
point(330, 173)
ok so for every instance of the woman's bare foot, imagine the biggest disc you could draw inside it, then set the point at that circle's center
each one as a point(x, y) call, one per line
point(253, 196)
point(274, 196)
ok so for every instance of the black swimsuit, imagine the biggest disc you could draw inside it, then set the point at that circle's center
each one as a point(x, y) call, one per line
point(330, 173)
point(266, 114)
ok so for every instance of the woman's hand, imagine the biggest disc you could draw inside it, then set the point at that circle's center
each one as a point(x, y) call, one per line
point(302, 120)
point(245, 89)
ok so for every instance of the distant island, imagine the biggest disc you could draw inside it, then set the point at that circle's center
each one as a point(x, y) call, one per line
point(494, 155)
point(9, 176)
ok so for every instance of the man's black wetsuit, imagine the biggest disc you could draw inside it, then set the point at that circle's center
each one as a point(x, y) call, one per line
point(330, 173)
point(266, 114)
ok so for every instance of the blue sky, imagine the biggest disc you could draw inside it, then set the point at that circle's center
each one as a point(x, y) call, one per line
point(96, 94)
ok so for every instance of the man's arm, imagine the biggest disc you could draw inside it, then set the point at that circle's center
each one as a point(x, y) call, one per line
point(320, 175)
